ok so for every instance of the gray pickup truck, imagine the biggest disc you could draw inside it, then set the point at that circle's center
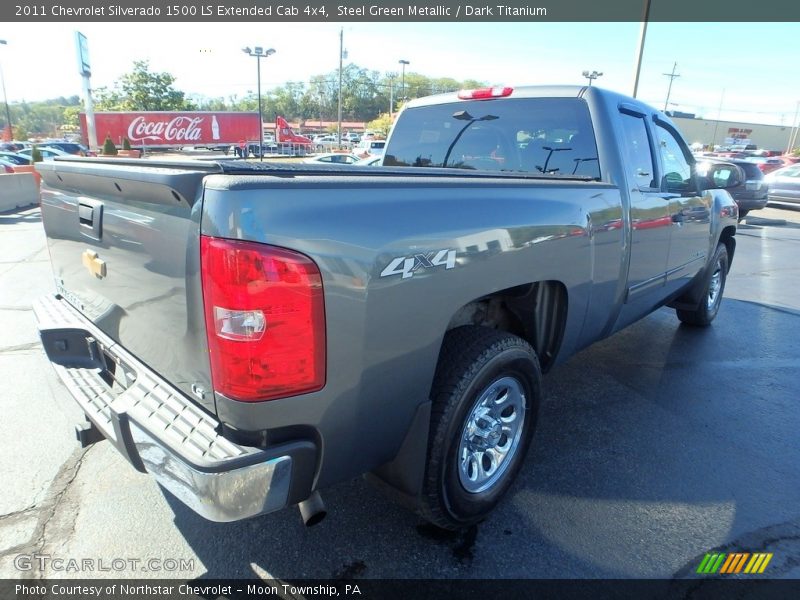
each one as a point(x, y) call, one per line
point(250, 333)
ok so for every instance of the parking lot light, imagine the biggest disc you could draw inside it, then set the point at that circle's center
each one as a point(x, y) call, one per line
point(592, 76)
point(259, 53)
point(403, 79)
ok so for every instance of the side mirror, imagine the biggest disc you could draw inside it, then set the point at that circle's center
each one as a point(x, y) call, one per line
point(720, 176)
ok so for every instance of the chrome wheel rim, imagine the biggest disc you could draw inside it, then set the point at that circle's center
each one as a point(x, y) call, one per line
point(491, 435)
point(714, 286)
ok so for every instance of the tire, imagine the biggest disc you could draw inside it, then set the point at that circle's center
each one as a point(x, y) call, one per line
point(742, 214)
point(713, 288)
point(485, 396)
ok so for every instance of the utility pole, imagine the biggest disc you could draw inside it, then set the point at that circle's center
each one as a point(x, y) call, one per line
point(716, 124)
point(341, 58)
point(794, 130)
point(672, 77)
point(391, 92)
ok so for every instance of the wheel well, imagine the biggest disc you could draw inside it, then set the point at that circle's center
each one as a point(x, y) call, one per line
point(536, 312)
point(726, 237)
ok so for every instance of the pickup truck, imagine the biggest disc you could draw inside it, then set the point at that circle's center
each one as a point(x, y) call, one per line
point(250, 333)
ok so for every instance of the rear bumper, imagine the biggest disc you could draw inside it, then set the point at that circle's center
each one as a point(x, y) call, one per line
point(161, 431)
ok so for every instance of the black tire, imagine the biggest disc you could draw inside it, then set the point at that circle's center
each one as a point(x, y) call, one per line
point(476, 367)
point(713, 288)
point(742, 214)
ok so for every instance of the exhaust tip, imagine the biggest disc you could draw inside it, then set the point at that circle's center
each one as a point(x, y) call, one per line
point(312, 510)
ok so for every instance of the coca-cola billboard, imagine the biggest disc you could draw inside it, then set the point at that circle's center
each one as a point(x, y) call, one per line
point(173, 129)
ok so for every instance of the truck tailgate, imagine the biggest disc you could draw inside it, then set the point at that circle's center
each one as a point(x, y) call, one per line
point(124, 245)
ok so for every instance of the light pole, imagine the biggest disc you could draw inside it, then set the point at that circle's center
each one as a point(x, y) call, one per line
point(259, 53)
point(591, 76)
point(403, 79)
point(5, 98)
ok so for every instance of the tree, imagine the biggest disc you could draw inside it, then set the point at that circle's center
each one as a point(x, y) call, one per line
point(382, 125)
point(142, 89)
point(109, 149)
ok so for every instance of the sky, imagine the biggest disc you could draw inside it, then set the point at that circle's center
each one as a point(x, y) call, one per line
point(735, 71)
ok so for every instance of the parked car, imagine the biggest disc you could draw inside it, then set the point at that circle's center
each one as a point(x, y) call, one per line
point(47, 153)
point(289, 328)
point(766, 164)
point(370, 147)
point(370, 161)
point(6, 167)
point(788, 160)
point(333, 158)
point(784, 184)
point(351, 137)
point(15, 158)
point(750, 194)
point(69, 148)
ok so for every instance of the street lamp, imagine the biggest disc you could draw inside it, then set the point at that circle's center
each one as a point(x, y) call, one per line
point(592, 75)
point(403, 84)
point(259, 53)
point(5, 98)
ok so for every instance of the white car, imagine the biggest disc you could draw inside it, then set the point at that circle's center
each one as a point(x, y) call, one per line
point(370, 161)
point(367, 147)
point(333, 158)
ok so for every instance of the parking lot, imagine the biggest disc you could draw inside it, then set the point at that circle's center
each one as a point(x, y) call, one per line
point(654, 447)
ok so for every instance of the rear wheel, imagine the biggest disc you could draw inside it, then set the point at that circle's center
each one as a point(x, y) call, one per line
point(714, 286)
point(742, 214)
point(485, 403)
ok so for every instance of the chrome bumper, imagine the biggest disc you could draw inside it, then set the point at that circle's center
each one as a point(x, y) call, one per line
point(156, 427)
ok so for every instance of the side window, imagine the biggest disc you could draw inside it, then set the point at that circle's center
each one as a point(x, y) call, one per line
point(677, 170)
point(640, 158)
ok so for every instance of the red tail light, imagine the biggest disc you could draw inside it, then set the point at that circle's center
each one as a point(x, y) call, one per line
point(485, 93)
point(7, 169)
point(265, 320)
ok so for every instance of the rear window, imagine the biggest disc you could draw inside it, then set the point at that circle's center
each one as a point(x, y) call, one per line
point(750, 169)
point(543, 136)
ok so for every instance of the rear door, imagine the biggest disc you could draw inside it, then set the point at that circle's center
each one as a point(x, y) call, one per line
point(689, 209)
point(649, 216)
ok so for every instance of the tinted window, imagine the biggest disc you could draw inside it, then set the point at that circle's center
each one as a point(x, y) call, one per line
point(750, 169)
point(677, 171)
point(545, 136)
point(639, 154)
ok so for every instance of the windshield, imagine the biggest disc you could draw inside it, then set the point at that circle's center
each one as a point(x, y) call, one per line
point(542, 136)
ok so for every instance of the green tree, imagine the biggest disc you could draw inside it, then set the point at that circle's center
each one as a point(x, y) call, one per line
point(382, 125)
point(109, 149)
point(142, 89)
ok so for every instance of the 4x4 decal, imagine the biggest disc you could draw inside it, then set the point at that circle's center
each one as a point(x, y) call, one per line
point(408, 265)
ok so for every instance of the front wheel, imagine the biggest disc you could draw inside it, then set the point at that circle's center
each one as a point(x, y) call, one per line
point(713, 288)
point(485, 397)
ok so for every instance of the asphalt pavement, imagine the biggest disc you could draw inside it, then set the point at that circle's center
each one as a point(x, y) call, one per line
point(654, 447)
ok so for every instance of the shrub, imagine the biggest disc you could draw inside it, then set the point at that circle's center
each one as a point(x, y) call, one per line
point(126, 144)
point(36, 154)
point(109, 149)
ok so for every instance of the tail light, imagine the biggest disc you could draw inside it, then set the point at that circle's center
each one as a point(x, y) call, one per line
point(265, 320)
point(485, 93)
point(7, 169)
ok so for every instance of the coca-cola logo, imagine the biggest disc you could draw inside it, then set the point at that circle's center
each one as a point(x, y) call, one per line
point(178, 129)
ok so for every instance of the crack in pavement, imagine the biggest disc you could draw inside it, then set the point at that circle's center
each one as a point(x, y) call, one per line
point(17, 515)
point(48, 510)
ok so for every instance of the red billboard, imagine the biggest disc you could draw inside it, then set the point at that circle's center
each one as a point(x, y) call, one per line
point(173, 129)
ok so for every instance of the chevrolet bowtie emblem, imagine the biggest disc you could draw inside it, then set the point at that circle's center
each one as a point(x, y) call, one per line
point(96, 266)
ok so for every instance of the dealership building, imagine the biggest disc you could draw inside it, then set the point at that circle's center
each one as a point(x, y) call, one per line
point(710, 132)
